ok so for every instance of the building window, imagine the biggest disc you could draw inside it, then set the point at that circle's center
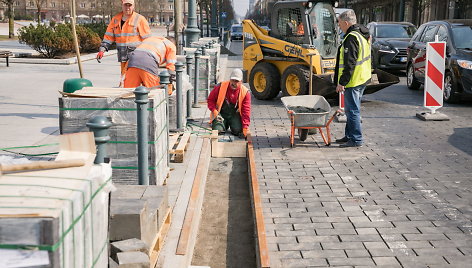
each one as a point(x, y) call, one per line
point(171, 7)
point(31, 3)
point(82, 5)
point(92, 5)
point(53, 4)
point(16, 4)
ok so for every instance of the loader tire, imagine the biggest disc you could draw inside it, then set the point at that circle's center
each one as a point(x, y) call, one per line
point(295, 80)
point(264, 81)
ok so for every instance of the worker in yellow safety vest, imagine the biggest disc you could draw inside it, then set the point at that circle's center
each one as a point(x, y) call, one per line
point(353, 73)
point(127, 29)
point(230, 105)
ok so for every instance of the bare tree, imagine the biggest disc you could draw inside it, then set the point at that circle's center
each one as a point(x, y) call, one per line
point(11, 17)
point(39, 7)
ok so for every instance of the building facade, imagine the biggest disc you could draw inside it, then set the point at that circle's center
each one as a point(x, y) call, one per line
point(156, 11)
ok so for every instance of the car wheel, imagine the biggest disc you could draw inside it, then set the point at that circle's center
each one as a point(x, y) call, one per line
point(450, 89)
point(264, 81)
point(411, 80)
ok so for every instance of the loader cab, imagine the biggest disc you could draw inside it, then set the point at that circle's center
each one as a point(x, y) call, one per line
point(306, 24)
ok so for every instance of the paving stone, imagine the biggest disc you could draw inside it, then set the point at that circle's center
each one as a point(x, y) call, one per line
point(409, 244)
point(350, 261)
point(358, 237)
point(421, 260)
point(325, 253)
point(318, 238)
point(342, 245)
point(438, 252)
point(382, 252)
point(381, 261)
point(299, 246)
point(354, 253)
point(289, 263)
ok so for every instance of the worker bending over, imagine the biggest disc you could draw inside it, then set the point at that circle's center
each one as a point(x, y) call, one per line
point(127, 29)
point(144, 62)
point(230, 105)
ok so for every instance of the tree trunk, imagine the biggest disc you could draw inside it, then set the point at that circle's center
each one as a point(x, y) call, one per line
point(11, 18)
point(207, 9)
point(39, 15)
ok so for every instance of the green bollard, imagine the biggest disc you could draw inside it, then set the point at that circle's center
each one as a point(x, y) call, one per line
point(99, 125)
point(189, 61)
point(164, 77)
point(196, 78)
point(179, 68)
point(142, 101)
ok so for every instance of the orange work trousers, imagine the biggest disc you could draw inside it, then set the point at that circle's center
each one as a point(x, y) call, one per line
point(135, 77)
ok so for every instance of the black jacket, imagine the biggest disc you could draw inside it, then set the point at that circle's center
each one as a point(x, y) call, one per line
point(351, 50)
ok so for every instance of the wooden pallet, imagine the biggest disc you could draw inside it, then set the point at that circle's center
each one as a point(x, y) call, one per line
point(178, 144)
point(158, 241)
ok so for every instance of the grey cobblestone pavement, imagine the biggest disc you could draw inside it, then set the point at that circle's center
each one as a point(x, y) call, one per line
point(402, 200)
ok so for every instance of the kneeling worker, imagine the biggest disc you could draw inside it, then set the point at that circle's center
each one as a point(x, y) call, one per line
point(230, 105)
point(143, 63)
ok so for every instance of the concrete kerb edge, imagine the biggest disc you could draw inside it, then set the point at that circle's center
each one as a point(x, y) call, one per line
point(69, 61)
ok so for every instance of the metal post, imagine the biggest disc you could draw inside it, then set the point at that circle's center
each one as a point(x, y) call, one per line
point(192, 31)
point(178, 23)
point(203, 49)
point(196, 78)
point(214, 23)
point(143, 160)
point(179, 68)
point(164, 80)
point(310, 90)
point(189, 61)
point(99, 125)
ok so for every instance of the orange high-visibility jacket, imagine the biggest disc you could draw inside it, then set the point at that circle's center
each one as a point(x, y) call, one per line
point(163, 51)
point(134, 31)
point(222, 95)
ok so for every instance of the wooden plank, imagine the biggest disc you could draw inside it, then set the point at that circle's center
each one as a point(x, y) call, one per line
point(172, 141)
point(182, 143)
point(159, 240)
point(195, 195)
point(262, 251)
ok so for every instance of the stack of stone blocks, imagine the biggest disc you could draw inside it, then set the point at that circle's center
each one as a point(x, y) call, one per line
point(74, 113)
point(137, 213)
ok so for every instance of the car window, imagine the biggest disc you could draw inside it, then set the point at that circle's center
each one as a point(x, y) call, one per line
point(371, 30)
point(237, 29)
point(418, 33)
point(428, 34)
point(394, 31)
point(442, 33)
point(462, 36)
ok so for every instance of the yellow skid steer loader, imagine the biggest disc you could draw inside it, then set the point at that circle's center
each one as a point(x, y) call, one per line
point(303, 38)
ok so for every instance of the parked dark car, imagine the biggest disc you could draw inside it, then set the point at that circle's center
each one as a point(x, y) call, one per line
point(389, 43)
point(458, 73)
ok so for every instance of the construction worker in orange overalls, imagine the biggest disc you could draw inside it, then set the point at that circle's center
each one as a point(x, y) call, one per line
point(127, 29)
point(230, 106)
point(144, 62)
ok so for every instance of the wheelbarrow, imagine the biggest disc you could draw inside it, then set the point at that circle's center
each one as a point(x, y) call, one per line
point(308, 112)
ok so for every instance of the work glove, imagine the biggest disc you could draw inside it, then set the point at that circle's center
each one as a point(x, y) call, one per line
point(100, 55)
point(245, 132)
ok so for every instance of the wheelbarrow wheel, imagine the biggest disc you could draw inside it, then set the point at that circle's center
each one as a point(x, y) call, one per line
point(302, 134)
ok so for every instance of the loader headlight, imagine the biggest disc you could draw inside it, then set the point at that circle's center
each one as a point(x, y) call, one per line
point(465, 64)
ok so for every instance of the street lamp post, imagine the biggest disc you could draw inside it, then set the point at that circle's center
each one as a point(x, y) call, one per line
point(214, 23)
point(192, 30)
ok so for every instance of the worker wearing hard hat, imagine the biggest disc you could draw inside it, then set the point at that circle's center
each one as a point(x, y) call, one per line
point(144, 62)
point(127, 29)
point(230, 105)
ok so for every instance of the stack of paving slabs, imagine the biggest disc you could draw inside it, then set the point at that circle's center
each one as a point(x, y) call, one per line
point(117, 104)
point(138, 212)
point(56, 217)
point(214, 53)
point(204, 85)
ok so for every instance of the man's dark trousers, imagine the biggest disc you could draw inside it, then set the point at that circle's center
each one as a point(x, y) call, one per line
point(231, 119)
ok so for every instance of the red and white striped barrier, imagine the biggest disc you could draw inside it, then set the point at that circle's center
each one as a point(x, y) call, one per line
point(434, 78)
point(341, 100)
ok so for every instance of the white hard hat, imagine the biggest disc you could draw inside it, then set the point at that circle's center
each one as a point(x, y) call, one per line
point(237, 74)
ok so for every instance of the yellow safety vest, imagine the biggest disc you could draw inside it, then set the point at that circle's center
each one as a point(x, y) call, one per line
point(362, 71)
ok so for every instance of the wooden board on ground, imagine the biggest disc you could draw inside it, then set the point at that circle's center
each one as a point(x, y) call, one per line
point(158, 242)
point(227, 149)
point(178, 144)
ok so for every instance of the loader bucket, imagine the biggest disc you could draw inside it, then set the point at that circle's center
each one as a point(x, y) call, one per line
point(323, 84)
